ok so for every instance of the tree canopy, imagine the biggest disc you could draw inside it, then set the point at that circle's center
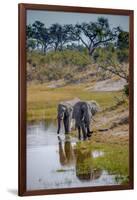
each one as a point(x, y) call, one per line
point(89, 35)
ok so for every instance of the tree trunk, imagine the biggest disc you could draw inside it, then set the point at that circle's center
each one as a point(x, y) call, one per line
point(44, 49)
point(55, 48)
point(91, 50)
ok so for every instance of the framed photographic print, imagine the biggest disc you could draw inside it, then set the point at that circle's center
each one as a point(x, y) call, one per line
point(75, 99)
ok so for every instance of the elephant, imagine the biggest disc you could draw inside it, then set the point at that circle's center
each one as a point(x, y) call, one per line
point(83, 111)
point(65, 110)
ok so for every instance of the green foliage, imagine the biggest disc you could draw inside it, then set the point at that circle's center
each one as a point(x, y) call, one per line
point(57, 37)
point(123, 40)
point(123, 47)
point(103, 55)
point(111, 61)
point(56, 65)
point(68, 57)
point(115, 158)
point(126, 90)
point(123, 55)
point(31, 44)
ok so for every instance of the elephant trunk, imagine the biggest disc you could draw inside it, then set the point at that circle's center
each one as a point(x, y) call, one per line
point(59, 125)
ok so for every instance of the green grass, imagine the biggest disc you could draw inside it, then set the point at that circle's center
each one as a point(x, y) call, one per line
point(115, 159)
point(64, 170)
point(61, 170)
point(42, 101)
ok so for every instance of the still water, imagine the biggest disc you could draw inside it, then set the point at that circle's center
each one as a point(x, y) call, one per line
point(52, 161)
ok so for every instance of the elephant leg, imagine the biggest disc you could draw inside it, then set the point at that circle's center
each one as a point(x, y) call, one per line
point(66, 124)
point(89, 132)
point(84, 130)
point(79, 132)
point(69, 124)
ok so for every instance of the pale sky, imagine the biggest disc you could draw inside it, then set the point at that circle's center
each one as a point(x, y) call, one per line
point(51, 17)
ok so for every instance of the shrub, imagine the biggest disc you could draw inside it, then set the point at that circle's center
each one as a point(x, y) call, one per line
point(34, 65)
point(126, 90)
point(123, 55)
point(57, 65)
point(29, 61)
point(68, 57)
point(68, 76)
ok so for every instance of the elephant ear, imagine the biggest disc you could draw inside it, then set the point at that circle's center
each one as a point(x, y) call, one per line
point(94, 107)
point(61, 107)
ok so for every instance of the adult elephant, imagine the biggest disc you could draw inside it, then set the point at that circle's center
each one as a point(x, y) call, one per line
point(83, 112)
point(65, 111)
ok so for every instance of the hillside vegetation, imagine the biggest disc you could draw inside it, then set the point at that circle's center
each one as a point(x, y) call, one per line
point(71, 66)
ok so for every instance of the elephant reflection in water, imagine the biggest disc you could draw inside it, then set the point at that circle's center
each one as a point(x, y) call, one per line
point(66, 151)
point(84, 168)
point(79, 158)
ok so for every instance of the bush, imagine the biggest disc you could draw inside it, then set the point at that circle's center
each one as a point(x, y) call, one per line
point(68, 76)
point(126, 90)
point(68, 57)
point(123, 55)
point(57, 65)
point(29, 61)
point(105, 55)
point(34, 65)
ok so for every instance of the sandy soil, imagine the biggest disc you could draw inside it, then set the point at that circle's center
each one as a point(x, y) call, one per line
point(108, 85)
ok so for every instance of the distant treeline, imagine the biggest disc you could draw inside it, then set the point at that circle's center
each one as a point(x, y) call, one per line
point(75, 37)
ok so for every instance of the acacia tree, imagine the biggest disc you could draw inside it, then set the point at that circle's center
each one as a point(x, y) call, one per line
point(91, 35)
point(46, 40)
point(40, 33)
point(37, 29)
point(29, 31)
point(94, 34)
point(116, 59)
point(123, 40)
point(123, 46)
point(59, 36)
point(31, 43)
